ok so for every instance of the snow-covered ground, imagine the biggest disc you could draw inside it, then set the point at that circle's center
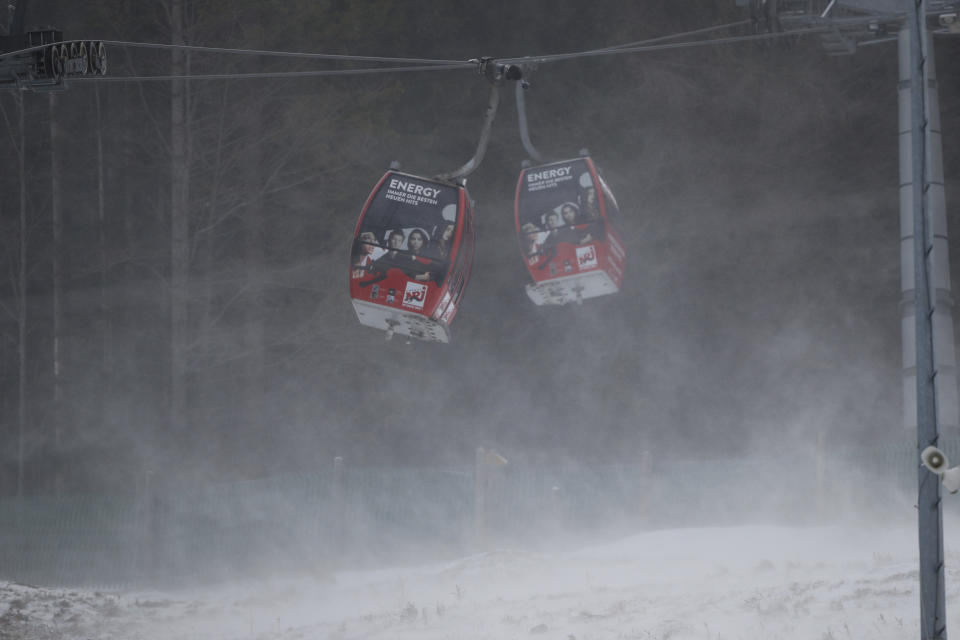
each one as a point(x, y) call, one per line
point(745, 582)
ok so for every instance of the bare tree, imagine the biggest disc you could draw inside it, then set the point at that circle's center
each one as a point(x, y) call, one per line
point(103, 266)
point(179, 219)
point(57, 154)
point(20, 288)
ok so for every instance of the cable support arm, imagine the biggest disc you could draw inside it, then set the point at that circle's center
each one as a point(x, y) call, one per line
point(496, 73)
point(522, 121)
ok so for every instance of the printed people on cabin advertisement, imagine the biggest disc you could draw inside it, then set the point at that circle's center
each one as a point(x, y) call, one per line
point(557, 206)
point(407, 233)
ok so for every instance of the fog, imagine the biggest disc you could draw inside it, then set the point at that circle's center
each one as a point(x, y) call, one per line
point(748, 373)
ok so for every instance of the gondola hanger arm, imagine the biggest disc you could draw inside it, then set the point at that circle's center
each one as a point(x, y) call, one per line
point(531, 150)
point(496, 73)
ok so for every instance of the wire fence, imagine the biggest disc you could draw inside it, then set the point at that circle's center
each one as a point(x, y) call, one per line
point(346, 517)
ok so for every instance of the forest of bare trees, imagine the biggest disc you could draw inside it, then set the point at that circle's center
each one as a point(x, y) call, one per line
point(173, 289)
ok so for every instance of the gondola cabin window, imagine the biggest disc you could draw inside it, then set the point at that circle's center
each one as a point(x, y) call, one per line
point(409, 235)
point(567, 223)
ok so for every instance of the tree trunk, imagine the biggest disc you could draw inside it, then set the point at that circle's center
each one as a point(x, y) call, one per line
point(56, 198)
point(252, 168)
point(179, 226)
point(106, 339)
point(16, 20)
point(22, 311)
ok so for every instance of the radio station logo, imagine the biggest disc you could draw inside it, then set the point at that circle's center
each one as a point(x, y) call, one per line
point(587, 256)
point(415, 295)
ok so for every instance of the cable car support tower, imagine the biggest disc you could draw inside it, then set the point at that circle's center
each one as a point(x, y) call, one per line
point(929, 370)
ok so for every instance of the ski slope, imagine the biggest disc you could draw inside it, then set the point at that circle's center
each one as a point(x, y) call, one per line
point(822, 583)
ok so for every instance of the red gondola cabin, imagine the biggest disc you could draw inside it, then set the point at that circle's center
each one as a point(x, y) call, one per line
point(411, 258)
point(568, 224)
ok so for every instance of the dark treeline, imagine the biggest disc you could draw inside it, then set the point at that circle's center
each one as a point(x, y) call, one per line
point(174, 283)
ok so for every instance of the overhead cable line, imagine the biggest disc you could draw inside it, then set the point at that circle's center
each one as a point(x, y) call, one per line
point(867, 43)
point(277, 74)
point(355, 58)
point(627, 47)
point(647, 45)
point(278, 54)
point(674, 45)
point(684, 34)
point(643, 46)
point(649, 41)
point(261, 53)
point(435, 67)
